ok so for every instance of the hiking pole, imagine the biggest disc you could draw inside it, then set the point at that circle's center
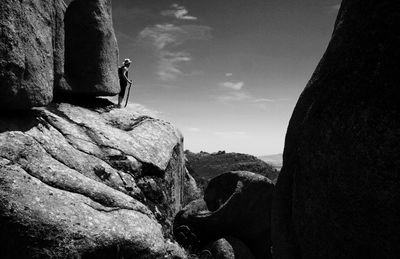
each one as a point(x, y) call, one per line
point(127, 98)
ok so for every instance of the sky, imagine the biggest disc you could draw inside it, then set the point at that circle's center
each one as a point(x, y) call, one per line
point(226, 73)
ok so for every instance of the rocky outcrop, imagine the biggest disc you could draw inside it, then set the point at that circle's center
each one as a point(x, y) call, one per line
point(31, 52)
point(237, 204)
point(91, 51)
point(338, 192)
point(88, 182)
point(227, 248)
point(33, 55)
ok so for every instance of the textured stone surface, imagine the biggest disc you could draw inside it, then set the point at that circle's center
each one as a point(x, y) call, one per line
point(239, 205)
point(229, 248)
point(191, 190)
point(94, 182)
point(31, 52)
point(338, 193)
point(91, 51)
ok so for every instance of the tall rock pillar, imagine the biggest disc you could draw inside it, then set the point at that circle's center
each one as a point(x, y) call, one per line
point(91, 51)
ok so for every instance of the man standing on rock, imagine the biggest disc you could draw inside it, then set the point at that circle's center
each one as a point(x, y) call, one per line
point(123, 79)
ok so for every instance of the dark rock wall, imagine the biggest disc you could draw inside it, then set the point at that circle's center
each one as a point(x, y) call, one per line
point(91, 51)
point(33, 55)
point(338, 192)
point(236, 204)
point(31, 51)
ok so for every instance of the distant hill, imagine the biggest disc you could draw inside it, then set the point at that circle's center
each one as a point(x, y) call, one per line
point(274, 160)
point(205, 166)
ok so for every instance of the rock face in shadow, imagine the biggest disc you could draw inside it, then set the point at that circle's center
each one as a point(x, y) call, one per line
point(88, 182)
point(33, 55)
point(237, 204)
point(338, 192)
point(91, 51)
point(228, 248)
point(31, 52)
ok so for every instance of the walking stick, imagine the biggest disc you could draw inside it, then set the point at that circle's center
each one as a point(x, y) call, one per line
point(127, 98)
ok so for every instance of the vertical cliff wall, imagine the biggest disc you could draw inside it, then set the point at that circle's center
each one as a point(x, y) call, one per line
point(338, 192)
point(31, 51)
point(91, 51)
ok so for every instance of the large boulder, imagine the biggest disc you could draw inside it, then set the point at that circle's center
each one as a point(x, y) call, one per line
point(237, 204)
point(227, 248)
point(31, 52)
point(88, 182)
point(338, 193)
point(91, 51)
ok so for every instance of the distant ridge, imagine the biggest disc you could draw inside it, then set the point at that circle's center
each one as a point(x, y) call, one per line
point(274, 160)
point(205, 166)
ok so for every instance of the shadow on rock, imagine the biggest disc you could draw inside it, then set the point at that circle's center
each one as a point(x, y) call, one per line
point(18, 120)
point(226, 248)
point(85, 101)
point(236, 204)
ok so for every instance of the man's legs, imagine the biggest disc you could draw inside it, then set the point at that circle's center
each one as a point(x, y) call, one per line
point(121, 95)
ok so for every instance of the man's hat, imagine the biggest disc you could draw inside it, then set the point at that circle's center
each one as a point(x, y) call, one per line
point(127, 61)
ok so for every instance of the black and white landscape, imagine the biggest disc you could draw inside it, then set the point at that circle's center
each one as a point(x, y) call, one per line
point(182, 170)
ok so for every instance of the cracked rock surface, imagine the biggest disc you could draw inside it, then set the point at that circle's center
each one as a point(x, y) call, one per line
point(92, 182)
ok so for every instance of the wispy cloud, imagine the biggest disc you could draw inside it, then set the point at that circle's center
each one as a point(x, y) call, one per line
point(234, 96)
point(179, 12)
point(160, 35)
point(165, 38)
point(264, 103)
point(231, 85)
point(168, 65)
point(228, 74)
point(263, 100)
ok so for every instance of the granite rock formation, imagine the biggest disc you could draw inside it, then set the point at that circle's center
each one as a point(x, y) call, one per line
point(40, 38)
point(91, 51)
point(338, 192)
point(88, 182)
point(227, 248)
point(31, 52)
point(236, 204)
